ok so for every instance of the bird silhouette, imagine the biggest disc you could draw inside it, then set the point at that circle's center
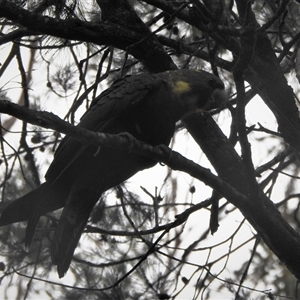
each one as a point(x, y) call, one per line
point(147, 106)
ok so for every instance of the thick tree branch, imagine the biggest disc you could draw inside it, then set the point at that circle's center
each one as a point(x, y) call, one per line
point(73, 29)
point(260, 210)
point(267, 79)
point(136, 40)
point(126, 143)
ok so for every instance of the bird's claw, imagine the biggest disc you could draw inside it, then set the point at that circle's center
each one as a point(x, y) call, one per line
point(166, 151)
point(130, 138)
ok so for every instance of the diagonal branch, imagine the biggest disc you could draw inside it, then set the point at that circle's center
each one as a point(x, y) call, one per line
point(126, 143)
point(73, 29)
point(259, 210)
point(137, 41)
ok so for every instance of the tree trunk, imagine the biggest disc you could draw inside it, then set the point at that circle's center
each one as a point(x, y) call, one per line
point(260, 211)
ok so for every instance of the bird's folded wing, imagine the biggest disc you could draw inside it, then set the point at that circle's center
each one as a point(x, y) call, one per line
point(104, 109)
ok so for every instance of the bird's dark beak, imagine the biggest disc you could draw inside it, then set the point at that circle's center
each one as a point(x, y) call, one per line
point(218, 98)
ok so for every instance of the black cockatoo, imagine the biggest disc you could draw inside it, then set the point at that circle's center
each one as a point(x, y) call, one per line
point(147, 106)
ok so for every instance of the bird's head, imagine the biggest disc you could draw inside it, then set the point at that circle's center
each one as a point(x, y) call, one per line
point(198, 90)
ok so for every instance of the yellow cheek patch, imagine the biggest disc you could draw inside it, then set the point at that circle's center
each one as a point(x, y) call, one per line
point(181, 87)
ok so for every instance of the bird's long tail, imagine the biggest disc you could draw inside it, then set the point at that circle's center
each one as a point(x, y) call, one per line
point(25, 207)
point(30, 207)
point(72, 222)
